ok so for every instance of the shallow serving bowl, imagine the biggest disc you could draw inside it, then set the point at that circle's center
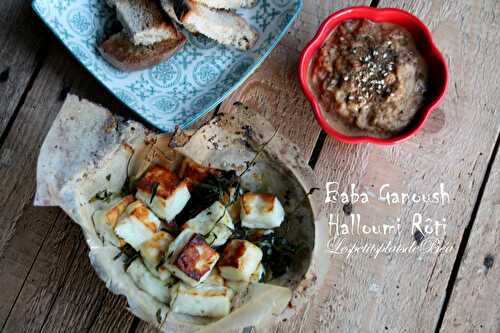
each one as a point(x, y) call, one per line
point(187, 86)
point(438, 68)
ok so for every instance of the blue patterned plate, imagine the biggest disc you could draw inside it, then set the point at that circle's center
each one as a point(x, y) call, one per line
point(187, 86)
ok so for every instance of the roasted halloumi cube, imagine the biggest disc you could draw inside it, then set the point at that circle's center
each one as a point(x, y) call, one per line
point(146, 281)
point(240, 260)
point(105, 220)
point(190, 258)
point(239, 286)
point(137, 225)
point(261, 210)
point(193, 173)
point(214, 223)
point(153, 253)
point(163, 192)
point(204, 302)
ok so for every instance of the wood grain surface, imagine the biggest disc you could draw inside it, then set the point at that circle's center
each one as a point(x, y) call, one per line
point(475, 300)
point(22, 38)
point(48, 284)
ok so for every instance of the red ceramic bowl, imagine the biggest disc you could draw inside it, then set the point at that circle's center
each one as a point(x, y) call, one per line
point(438, 68)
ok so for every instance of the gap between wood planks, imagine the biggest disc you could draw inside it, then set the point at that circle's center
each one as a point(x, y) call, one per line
point(41, 56)
point(466, 235)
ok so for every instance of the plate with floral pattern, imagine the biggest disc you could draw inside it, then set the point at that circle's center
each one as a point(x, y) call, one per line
point(182, 89)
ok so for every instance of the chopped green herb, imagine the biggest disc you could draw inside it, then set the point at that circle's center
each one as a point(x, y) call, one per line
point(162, 261)
point(103, 195)
point(158, 316)
point(130, 255)
point(154, 189)
point(129, 187)
point(108, 177)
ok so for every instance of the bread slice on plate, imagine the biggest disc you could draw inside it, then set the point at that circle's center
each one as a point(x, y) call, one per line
point(225, 27)
point(227, 4)
point(120, 52)
point(144, 21)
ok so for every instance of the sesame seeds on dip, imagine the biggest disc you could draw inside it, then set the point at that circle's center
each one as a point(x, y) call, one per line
point(370, 76)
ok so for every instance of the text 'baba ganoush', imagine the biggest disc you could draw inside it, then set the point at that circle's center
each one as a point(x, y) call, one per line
point(372, 76)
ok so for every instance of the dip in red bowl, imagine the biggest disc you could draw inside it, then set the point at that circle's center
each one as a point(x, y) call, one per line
point(373, 75)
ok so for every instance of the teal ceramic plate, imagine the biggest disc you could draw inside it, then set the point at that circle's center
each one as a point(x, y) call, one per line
point(187, 86)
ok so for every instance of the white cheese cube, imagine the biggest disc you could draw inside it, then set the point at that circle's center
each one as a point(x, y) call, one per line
point(138, 225)
point(105, 220)
point(240, 286)
point(190, 258)
point(214, 223)
point(146, 281)
point(240, 260)
point(163, 192)
point(154, 251)
point(261, 210)
point(203, 302)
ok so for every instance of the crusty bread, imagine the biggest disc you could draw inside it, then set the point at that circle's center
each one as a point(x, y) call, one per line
point(120, 52)
point(144, 21)
point(225, 27)
point(227, 4)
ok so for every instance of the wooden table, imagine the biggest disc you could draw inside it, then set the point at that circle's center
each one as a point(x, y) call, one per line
point(47, 283)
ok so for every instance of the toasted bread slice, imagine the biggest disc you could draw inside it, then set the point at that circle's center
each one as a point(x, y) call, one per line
point(120, 52)
point(144, 21)
point(227, 4)
point(225, 27)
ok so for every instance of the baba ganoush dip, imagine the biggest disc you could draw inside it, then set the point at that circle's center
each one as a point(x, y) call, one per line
point(371, 76)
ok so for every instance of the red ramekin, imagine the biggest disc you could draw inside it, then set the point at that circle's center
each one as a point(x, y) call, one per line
point(438, 68)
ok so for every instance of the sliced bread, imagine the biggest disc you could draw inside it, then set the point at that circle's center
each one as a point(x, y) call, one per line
point(120, 52)
point(227, 4)
point(144, 21)
point(225, 27)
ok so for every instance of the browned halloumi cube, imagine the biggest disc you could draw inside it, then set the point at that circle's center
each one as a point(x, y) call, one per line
point(137, 225)
point(163, 192)
point(261, 210)
point(203, 301)
point(191, 259)
point(105, 220)
point(240, 260)
point(153, 252)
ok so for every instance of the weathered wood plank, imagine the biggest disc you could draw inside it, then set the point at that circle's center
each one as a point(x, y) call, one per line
point(113, 316)
point(474, 305)
point(46, 277)
point(24, 229)
point(80, 299)
point(405, 292)
point(22, 38)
